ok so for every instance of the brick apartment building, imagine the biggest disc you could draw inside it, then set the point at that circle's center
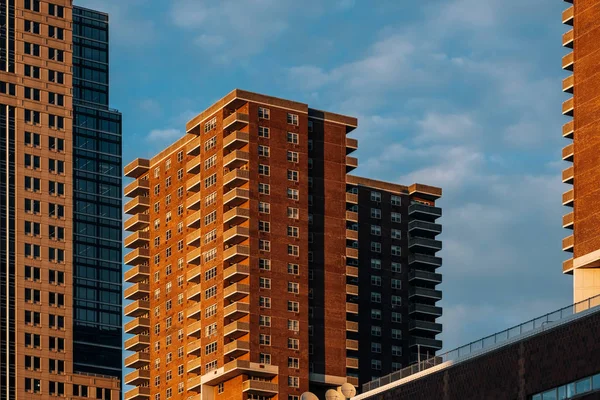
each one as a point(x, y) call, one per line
point(582, 152)
point(240, 232)
point(60, 211)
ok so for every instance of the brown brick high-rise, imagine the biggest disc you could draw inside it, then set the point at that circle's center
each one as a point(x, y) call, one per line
point(584, 148)
point(43, 324)
point(239, 260)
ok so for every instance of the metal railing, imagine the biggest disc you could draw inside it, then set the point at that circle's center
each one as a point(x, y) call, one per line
point(505, 337)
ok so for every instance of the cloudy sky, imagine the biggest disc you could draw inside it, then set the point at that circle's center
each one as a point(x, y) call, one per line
point(464, 94)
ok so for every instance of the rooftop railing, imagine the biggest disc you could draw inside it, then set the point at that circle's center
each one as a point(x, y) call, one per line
point(492, 342)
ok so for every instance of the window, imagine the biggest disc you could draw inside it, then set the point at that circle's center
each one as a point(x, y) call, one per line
point(55, 210)
point(32, 117)
point(210, 311)
point(264, 340)
point(264, 226)
point(264, 170)
point(210, 125)
point(32, 49)
point(375, 331)
point(293, 325)
point(375, 314)
point(292, 194)
point(56, 166)
point(396, 317)
point(396, 200)
point(210, 292)
point(264, 188)
point(264, 208)
point(32, 161)
point(396, 217)
point(57, 99)
point(293, 231)
point(56, 232)
point(264, 302)
point(293, 287)
point(292, 213)
point(292, 119)
point(292, 138)
point(292, 175)
point(293, 306)
point(375, 297)
point(168, 182)
point(32, 139)
point(56, 77)
point(56, 54)
point(376, 365)
point(55, 10)
point(32, 27)
point(293, 381)
point(376, 247)
point(264, 264)
point(209, 162)
point(211, 329)
point(32, 71)
point(32, 5)
point(396, 267)
point(292, 156)
point(396, 250)
point(375, 347)
point(396, 301)
point(32, 251)
point(210, 218)
point(375, 196)
point(293, 269)
point(210, 255)
point(264, 320)
point(375, 280)
point(210, 236)
point(376, 230)
point(293, 250)
point(210, 274)
point(264, 245)
point(210, 143)
point(210, 181)
point(264, 283)
point(264, 358)
point(396, 334)
point(32, 273)
point(263, 132)
point(375, 263)
point(293, 344)
point(263, 113)
point(32, 94)
point(396, 234)
point(180, 156)
point(56, 188)
point(56, 144)
point(375, 213)
point(263, 151)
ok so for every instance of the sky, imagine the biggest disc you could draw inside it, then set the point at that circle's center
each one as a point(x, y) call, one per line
point(462, 94)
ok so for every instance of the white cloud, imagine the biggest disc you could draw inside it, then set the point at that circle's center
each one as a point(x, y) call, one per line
point(164, 134)
point(436, 127)
point(150, 106)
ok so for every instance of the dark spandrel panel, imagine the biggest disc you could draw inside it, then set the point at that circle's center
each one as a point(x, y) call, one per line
point(87, 13)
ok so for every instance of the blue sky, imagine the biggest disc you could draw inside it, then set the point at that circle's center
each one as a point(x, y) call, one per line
point(464, 94)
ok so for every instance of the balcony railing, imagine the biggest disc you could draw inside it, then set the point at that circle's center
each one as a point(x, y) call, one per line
point(236, 272)
point(194, 165)
point(351, 344)
point(194, 292)
point(236, 159)
point(137, 326)
point(567, 243)
point(236, 197)
point(194, 365)
point(568, 266)
point(568, 129)
point(261, 388)
point(194, 274)
point(352, 308)
point(425, 309)
point(352, 290)
point(352, 216)
point(193, 183)
point(137, 343)
point(417, 227)
point(568, 84)
point(194, 311)
point(236, 235)
point(418, 244)
point(137, 239)
point(568, 175)
point(352, 235)
point(137, 274)
point(351, 326)
point(235, 140)
point(425, 326)
point(351, 163)
point(568, 16)
point(568, 61)
point(236, 310)
point(351, 252)
point(194, 347)
point(415, 260)
point(137, 360)
point(137, 292)
point(140, 377)
point(138, 393)
point(194, 329)
point(568, 38)
point(236, 253)
point(236, 330)
point(236, 292)
point(137, 256)
point(137, 308)
point(417, 275)
point(351, 271)
point(423, 211)
point(568, 107)
point(236, 348)
point(236, 121)
point(194, 238)
point(193, 220)
point(568, 198)
point(194, 256)
point(351, 145)
point(235, 178)
point(137, 168)
point(137, 222)
point(567, 152)
point(138, 187)
point(351, 362)
point(194, 202)
point(351, 198)
point(137, 205)
point(568, 220)
point(194, 147)
point(425, 293)
point(194, 383)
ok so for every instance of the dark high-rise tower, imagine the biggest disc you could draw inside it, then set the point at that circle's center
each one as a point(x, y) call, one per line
point(55, 284)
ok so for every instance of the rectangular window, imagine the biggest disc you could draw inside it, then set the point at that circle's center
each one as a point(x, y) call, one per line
point(293, 231)
point(292, 194)
point(396, 200)
point(263, 132)
point(396, 250)
point(56, 144)
point(264, 188)
point(293, 250)
point(292, 175)
point(210, 162)
point(56, 54)
point(210, 143)
point(292, 156)
point(264, 340)
point(264, 264)
point(264, 170)
point(292, 138)
point(293, 344)
point(396, 217)
point(56, 33)
point(32, 139)
point(210, 125)
point(264, 245)
point(56, 10)
point(376, 230)
point(292, 119)
point(32, 5)
point(263, 151)
point(293, 213)
point(263, 113)
point(56, 77)
point(210, 348)
point(32, 71)
point(56, 122)
point(375, 196)
point(375, 213)
point(264, 208)
point(210, 181)
point(264, 320)
point(32, 94)
point(32, 117)
point(396, 267)
point(32, 49)
point(264, 283)
point(293, 269)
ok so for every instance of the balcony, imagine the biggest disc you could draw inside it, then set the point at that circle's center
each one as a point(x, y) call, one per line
point(193, 220)
point(139, 187)
point(236, 159)
point(419, 245)
point(137, 326)
point(194, 256)
point(137, 292)
point(568, 220)
point(423, 260)
point(352, 216)
point(193, 238)
point(194, 366)
point(567, 175)
point(137, 360)
point(421, 227)
point(137, 168)
point(137, 205)
point(568, 15)
point(236, 330)
point(351, 198)
point(236, 348)
point(236, 292)
point(351, 308)
point(194, 147)
point(194, 274)
point(423, 211)
point(351, 326)
point(194, 165)
point(351, 344)
point(568, 106)
point(236, 310)
point(137, 222)
point(568, 130)
point(195, 384)
point(137, 343)
point(236, 235)
point(194, 347)
point(567, 152)
point(194, 202)
point(193, 183)
point(236, 121)
point(567, 243)
point(424, 309)
point(568, 266)
point(416, 275)
point(352, 290)
point(351, 252)
point(260, 388)
point(424, 326)
point(137, 274)
point(424, 342)
point(138, 393)
point(137, 239)
point(238, 367)
point(140, 377)
point(235, 141)
point(568, 61)
point(352, 235)
point(137, 308)
point(236, 197)
point(353, 380)
point(351, 145)
point(194, 311)
point(235, 178)
point(352, 362)
point(194, 292)
point(137, 256)
point(236, 254)
point(194, 329)
point(236, 273)
point(568, 198)
point(568, 38)
point(351, 271)
point(568, 83)
point(423, 293)
point(351, 163)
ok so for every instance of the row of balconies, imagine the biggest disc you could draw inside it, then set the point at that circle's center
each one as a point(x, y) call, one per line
point(568, 129)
